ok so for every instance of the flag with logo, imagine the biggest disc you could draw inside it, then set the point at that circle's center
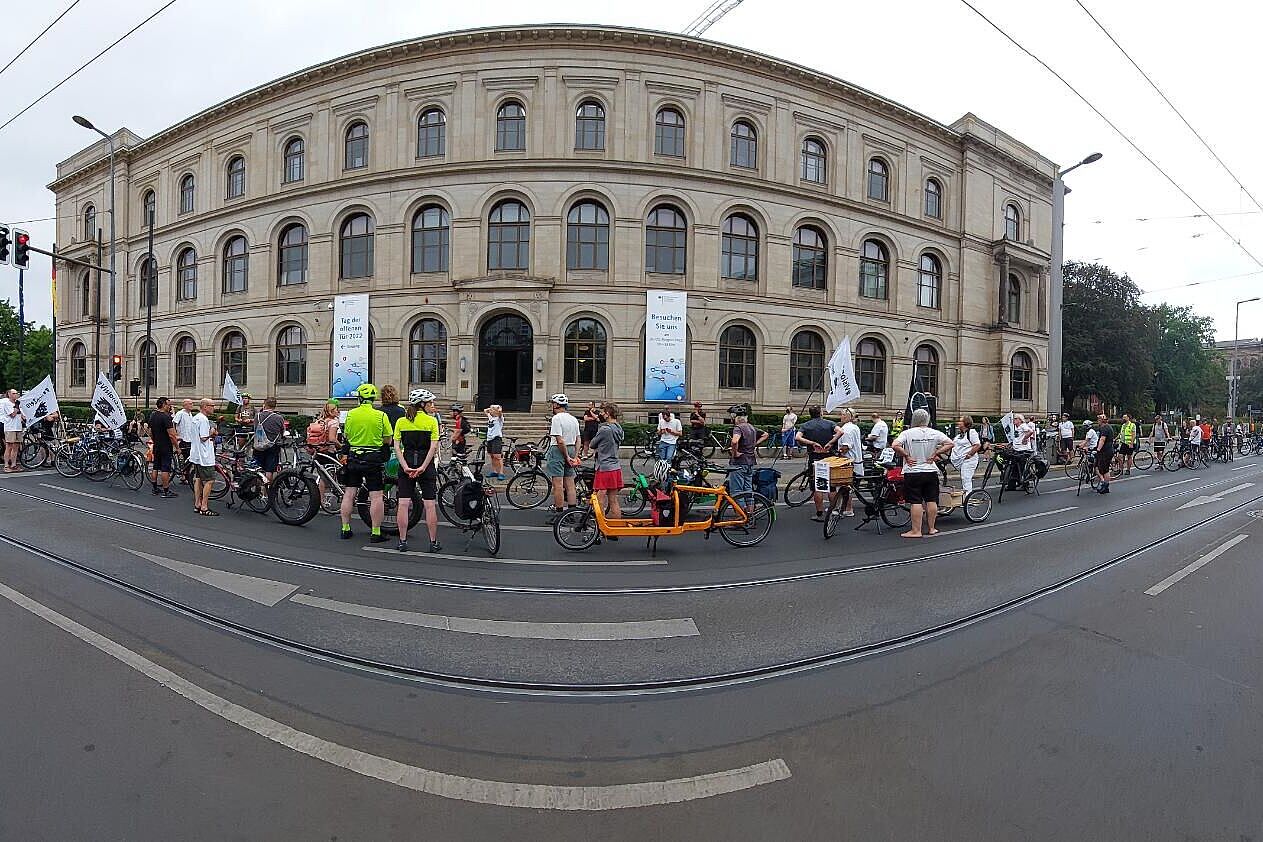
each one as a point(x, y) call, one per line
point(40, 402)
point(231, 393)
point(920, 397)
point(843, 388)
point(107, 403)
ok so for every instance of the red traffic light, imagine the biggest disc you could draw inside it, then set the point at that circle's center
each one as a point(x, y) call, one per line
point(117, 359)
point(23, 238)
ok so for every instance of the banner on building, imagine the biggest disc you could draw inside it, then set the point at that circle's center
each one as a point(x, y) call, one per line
point(1010, 431)
point(107, 403)
point(40, 402)
point(350, 344)
point(666, 345)
point(231, 393)
point(843, 388)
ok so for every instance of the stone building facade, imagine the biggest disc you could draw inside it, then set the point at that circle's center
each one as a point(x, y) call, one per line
point(507, 196)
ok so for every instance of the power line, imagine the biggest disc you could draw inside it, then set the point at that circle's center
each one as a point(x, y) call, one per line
point(1187, 216)
point(85, 65)
point(714, 12)
point(1203, 283)
point(1169, 103)
point(1113, 126)
point(37, 37)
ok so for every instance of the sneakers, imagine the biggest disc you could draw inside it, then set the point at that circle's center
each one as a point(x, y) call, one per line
point(377, 538)
point(402, 546)
point(168, 494)
point(818, 517)
point(346, 534)
point(435, 546)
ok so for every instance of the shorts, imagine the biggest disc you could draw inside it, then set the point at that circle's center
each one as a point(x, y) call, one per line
point(206, 473)
point(920, 487)
point(1127, 449)
point(1103, 459)
point(185, 447)
point(162, 460)
point(428, 482)
point(357, 473)
point(268, 459)
point(788, 439)
point(12, 436)
point(611, 480)
point(556, 462)
point(495, 446)
point(1067, 444)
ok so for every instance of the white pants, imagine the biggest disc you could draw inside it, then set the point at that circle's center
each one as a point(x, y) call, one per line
point(967, 469)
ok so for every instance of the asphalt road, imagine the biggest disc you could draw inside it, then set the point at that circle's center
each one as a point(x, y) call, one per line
point(1122, 705)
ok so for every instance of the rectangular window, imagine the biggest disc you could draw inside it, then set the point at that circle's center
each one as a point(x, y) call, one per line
point(589, 133)
point(429, 252)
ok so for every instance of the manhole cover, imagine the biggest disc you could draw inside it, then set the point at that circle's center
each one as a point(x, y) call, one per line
point(1258, 515)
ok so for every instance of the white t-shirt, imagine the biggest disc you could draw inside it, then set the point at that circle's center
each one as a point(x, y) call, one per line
point(565, 425)
point(183, 421)
point(962, 444)
point(1066, 429)
point(202, 452)
point(851, 438)
point(495, 427)
point(12, 423)
point(788, 421)
point(920, 444)
point(1195, 435)
point(1090, 439)
point(880, 434)
point(669, 431)
point(1025, 437)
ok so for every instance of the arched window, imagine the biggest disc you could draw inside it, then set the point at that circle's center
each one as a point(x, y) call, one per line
point(930, 282)
point(874, 270)
point(295, 159)
point(509, 237)
point(878, 180)
point(185, 362)
point(1013, 300)
point(186, 276)
point(356, 246)
point(870, 367)
point(589, 126)
point(432, 134)
point(806, 361)
point(815, 161)
point(745, 145)
point(933, 198)
point(291, 356)
point(668, 133)
point(666, 233)
point(89, 222)
point(737, 352)
point(431, 232)
point(925, 362)
point(188, 193)
point(148, 363)
point(85, 294)
point(291, 256)
point(150, 203)
point(236, 265)
point(232, 357)
point(356, 146)
point(588, 237)
point(511, 128)
point(1012, 222)
point(739, 248)
point(810, 258)
point(1021, 376)
point(148, 282)
point(78, 364)
point(427, 352)
point(585, 348)
point(236, 177)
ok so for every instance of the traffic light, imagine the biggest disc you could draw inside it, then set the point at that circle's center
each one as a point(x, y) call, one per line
point(21, 249)
point(116, 368)
point(4, 243)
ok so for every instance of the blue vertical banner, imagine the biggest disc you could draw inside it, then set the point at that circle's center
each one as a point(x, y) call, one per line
point(350, 344)
point(666, 345)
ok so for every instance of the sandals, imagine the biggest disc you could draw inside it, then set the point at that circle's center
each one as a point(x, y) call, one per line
point(206, 512)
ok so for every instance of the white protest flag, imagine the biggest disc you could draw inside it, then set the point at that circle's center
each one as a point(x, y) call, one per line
point(842, 385)
point(107, 403)
point(1010, 431)
point(39, 402)
point(231, 393)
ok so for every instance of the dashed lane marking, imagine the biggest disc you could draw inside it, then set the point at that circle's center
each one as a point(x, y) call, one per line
point(103, 499)
point(1010, 520)
point(1195, 566)
point(1174, 484)
point(636, 562)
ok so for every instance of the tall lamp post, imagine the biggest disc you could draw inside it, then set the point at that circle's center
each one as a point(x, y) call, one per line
point(87, 124)
point(1233, 377)
point(1055, 338)
point(151, 292)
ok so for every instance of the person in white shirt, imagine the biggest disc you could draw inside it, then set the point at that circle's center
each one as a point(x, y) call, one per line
point(1090, 437)
point(850, 444)
point(879, 436)
point(1024, 434)
point(560, 459)
point(669, 430)
point(183, 421)
point(11, 417)
point(1065, 434)
point(1195, 439)
point(920, 446)
point(202, 455)
point(965, 449)
point(789, 432)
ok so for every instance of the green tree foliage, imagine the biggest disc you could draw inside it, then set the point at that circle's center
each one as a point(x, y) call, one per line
point(37, 350)
point(1108, 336)
point(1188, 373)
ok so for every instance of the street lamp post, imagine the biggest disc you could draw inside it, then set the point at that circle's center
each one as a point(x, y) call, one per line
point(1055, 336)
point(87, 124)
point(1233, 377)
point(151, 292)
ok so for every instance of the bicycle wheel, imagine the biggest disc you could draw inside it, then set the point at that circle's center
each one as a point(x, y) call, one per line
point(576, 529)
point(220, 482)
point(643, 462)
point(833, 516)
point(1116, 466)
point(760, 515)
point(447, 502)
point(98, 465)
point(66, 463)
point(294, 497)
point(33, 455)
point(491, 527)
point(1071, 469)
point(978, 505)
point(894, 514)
point(528, 489)
point(253, 494)
point(1143, 459)
point(631, 500)
point(799, 489)
point(708, 448)
point(132, 470)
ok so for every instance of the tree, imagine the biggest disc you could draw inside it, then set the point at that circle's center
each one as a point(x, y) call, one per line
point(1108, 338)
point(37, 351)
point(1185, 364)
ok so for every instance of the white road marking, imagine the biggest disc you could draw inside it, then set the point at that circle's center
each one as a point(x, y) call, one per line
point(459, 787)
point(1195, 566)
point(1244, 467)
point(1010, 520)
point(445, 525)
point(637, 562)
point(635, 630)
point(1075, 488)
point(65, 490)
point(263, 591)
point(1215, 498)
point(27, 473)
point(1174, 484)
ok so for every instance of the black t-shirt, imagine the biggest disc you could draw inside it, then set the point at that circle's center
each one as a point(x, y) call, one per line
point(697, 422)
point(394, 412)
point(159, 425)
point(1106, 434)
point(819, 431)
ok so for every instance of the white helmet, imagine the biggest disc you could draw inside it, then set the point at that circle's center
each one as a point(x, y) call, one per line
point(420, 396)
point(560, 399)
point(887, 458)
point(662, 472)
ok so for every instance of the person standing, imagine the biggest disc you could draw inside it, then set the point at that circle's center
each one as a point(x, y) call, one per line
point(416, 447)
point(202, 456)
point(461, 428)
point(163, 439)
point(986, 432)
point(669, 430)
point(608, 481)
point(590, 423)
point(1023, 446)
point(789, 432)
point(367, 432)
point(1065, 437)
point(850, 445)
point(390, 404)
point(819, 435)
point(11, 416)
point(269, 426)
point(965, 447)
point(743, 450)
point(697, 422)
point(879, 436)
point(1104, 452)
point(183, 421)
point(1127, 437)
point(244, 419)
point(495, 440)
point(1194, 438)
point(896, 426)
point(1159, 441)
point(920, 446)
point(559, 459)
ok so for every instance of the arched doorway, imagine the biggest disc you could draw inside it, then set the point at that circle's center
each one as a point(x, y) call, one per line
point(505, 345)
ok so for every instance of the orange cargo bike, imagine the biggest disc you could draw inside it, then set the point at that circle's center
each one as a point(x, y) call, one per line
point(743, 519)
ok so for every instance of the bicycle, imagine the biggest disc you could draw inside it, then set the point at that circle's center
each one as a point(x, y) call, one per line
point(1086, 472)
point(324, 467)
point(390, 501)
point(473, 512)
point(109, 458)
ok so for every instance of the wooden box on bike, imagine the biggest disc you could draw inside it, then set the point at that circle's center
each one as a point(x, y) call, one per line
point(841, 470)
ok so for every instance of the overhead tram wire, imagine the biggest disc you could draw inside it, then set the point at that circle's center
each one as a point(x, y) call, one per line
point(34, 40)
point(1113, 126)
point(1169, 103)
point(88, 63)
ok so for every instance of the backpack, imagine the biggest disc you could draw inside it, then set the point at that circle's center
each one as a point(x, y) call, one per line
point(261, 441)
point(765, 482)
point(471, 499)
point(316, 433)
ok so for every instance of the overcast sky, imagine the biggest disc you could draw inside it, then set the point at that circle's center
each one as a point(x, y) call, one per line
point(935, 56)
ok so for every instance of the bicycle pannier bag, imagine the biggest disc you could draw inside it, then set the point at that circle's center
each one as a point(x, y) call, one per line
point(471, 499)
point(765, 480)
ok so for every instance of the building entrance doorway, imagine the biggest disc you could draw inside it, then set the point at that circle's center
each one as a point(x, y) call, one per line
point(505, 345)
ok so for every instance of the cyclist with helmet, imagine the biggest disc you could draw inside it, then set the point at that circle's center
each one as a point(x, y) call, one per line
point(742, 450)
point(560, 460)
point(367, 433)
point(417, 448)
point(460, 429)
point(245, 421)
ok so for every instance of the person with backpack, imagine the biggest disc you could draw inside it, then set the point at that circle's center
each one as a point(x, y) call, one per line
point(269, 426)
point(417, 448)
